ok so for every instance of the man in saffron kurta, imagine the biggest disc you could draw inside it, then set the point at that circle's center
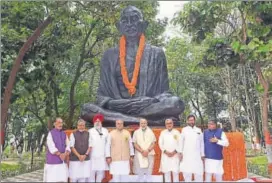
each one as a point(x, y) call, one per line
point(56, 169)
point(169, 145)
point(119, 152)
point(144, 141)
point(99, 136)
point(214, 139)
point(192, 151)
point(80, 143)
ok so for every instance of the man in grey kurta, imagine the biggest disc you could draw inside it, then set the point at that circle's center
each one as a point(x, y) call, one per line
point(152, 99)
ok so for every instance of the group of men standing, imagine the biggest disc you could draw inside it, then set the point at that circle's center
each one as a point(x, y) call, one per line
point(93, 152)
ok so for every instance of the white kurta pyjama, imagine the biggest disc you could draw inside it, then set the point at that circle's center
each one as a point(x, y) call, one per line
point(192, 148)
point(119, 167)
point(169, 141)
point(98, 152)
point(57, 172)
point(216, 166)
point(78, 169)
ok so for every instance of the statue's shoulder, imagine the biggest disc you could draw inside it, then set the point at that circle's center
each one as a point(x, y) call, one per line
point(155, 49)
point(109, 54)
point(110, 51)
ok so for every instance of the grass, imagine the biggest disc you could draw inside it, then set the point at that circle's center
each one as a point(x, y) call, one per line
point(258, 160)
point(9, 167)
point(258, 165)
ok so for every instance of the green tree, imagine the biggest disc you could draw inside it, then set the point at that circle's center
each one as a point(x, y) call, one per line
point(249, 37)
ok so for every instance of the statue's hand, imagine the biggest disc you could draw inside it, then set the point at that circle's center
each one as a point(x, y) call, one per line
point(131, 106)
point(139, 105)
point(121, 105)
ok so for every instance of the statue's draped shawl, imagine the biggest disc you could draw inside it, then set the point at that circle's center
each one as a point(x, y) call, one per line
point(152, 81)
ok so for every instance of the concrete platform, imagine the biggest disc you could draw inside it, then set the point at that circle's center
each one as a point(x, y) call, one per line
point(37, 176)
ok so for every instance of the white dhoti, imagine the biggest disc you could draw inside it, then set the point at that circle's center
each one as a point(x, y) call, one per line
point(99, 164)
point(148, 170)
point(120, 168)
point(169, 164)
point(78, 170)
point(192, 164)
point(56, 173)
point(144, 174)
point(214, 166)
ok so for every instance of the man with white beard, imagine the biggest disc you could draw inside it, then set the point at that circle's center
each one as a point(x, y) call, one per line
point(119, 152)
point(80, 143)
point(192, 151)
point(144, 141)
point(214, 139)
point(99, 136)
point(169, 145)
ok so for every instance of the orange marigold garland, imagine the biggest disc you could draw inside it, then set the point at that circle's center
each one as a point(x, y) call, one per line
point(131, 86)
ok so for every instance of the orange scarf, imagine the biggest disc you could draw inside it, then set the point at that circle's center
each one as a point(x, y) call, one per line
point(131, 86)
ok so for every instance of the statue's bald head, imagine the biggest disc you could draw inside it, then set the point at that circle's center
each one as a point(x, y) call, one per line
point(132, 23)
point(132, 10)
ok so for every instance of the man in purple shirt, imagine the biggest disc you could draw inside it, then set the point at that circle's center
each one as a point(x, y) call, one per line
point(56, 169)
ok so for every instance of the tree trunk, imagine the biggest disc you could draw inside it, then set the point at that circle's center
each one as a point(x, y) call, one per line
point(55, 100)
point(15, 69)
point(91, 90)
point(43, 141)
point(230, 100)
point(196, 106)
point(29, 138)
point(77, 75)
point(249, 109)
point(266, 129)
point(32, 153)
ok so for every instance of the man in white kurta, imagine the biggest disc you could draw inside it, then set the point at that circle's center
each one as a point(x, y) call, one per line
point(119, 152)
point(99, 136)
point(214, 139)
point(58, 149)
point(144, 142)
point(80, 143)
point(192, 151)
point(169, 145)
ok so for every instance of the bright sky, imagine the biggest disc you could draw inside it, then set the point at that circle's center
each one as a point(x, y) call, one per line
point(168, 9)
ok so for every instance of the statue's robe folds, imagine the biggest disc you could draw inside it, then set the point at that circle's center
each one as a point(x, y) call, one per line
point(152, 82)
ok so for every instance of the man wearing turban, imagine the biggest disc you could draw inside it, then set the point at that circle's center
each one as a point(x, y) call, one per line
point(98, 136)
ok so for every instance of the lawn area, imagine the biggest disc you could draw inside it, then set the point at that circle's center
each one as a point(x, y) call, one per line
point(258, 160)
point(258, 165)
point(9, 166)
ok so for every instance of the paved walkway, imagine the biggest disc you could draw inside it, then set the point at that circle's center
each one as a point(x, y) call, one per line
point(37, 176)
